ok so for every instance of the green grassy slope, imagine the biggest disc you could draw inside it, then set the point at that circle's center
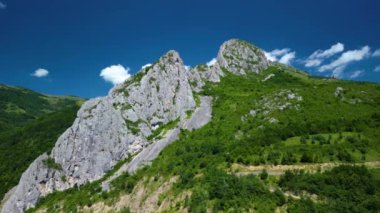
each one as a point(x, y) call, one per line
point(262, 122)
point(30, 123)
point(18, 106)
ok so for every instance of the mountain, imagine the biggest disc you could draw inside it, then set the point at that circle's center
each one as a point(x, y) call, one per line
point(20, 106)
point(30, 123)
point(214, 138)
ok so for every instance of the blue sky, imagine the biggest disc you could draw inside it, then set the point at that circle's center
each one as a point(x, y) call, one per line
point(61, 47)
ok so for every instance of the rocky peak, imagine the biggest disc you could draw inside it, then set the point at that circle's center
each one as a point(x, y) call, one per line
point(240, 57)
point(171, 57)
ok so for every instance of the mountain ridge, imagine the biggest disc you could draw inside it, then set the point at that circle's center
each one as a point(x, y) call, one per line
point(154, 97)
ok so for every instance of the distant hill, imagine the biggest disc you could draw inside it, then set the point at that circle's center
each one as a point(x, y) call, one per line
point(30, 123)
point(20, 106)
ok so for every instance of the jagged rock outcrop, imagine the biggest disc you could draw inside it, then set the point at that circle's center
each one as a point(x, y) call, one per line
point(108, 129)
point(203, 73)
point(200, 117)
point(240, 57)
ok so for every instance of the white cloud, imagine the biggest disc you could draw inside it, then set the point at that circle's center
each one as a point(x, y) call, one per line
point(334, 49)
point(269, 56)
point(287, 58)
point(145, 66)
point(338, 72)
point(211, 62)
point(187, 67)
point(346, 58)
point(281, 55)
point(115, 74)
point(274, 54)
point(318, 56)
point(39, 73)
point(377, 69)
point(2, 5)
point(280, 52)
point(356, 74)
point(376, 53)
point(312, 62)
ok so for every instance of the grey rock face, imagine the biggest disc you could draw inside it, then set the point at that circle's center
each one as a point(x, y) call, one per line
point(107, 129)
point(200, 117)
point(210, 73)
point(240, 57)
point(203, 73)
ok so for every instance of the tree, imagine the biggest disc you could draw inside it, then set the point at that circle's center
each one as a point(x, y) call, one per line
point(303, 139)
point(264, 175)
point(306, 158)
point(288, 158)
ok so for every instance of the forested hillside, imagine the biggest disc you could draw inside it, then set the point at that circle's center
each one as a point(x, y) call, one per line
point(30, 123)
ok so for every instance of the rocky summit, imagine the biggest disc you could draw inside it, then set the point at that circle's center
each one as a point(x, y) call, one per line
point(240, 57)
point(124, 123)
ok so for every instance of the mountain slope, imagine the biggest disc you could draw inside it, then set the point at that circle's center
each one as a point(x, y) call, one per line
point(30, 123)
point(262, 114)
point(199, 165)
point(20, 106)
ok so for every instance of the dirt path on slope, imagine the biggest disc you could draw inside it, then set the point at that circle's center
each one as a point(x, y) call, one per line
point(240, 169)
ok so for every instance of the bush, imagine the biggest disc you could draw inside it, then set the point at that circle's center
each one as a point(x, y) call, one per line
point(51, 164)
point(303, 139)
point(288, 158)
point(306, 158)
point(343, 155)
point(264, 175)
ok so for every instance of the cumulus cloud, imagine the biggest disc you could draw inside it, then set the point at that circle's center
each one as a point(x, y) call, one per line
point(145, 66)
point(287, 58)
point(346, 58)
point(377, 69)
point(115, 74)
point(356, 74)
point(317, 57)
point(312, 62)
point(269, 56)
point(284, 56)
point(274, 54)
point(2, 5)
point(40, 73)
point(211, 62)
point(338, 72)
point(279, 52)
point(376, 53)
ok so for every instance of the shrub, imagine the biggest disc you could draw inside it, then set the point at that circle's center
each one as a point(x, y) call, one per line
point(264, 175)
point(51, 164)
